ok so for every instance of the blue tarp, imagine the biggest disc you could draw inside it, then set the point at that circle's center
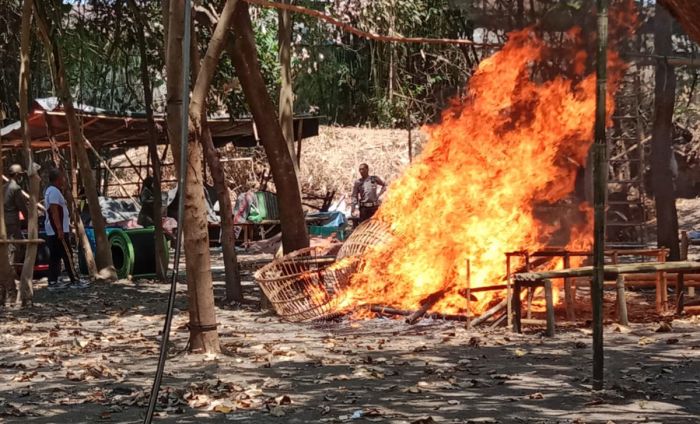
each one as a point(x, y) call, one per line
point(330, 219)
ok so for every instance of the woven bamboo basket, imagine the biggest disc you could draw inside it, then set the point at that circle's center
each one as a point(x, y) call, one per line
point(369, 234)
point(301, 285)
point(304, 285)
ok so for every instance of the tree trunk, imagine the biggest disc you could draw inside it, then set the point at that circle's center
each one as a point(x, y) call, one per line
point(26, 292)
point(203, 333)
point(72, 210)
point(286, 101)
point(7, 271)
point(663, 185)
point(103, 255)
point(160, 253)
point(243, 53)
point(202, 134)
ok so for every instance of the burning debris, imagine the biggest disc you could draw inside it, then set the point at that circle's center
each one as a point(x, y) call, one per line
point(511, 148)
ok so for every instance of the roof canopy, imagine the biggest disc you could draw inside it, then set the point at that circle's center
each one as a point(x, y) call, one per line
point(105, 129)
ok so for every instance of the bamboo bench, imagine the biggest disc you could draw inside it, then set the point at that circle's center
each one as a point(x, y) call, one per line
point(611, 272)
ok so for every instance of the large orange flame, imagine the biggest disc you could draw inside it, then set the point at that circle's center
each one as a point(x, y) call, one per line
point(516, 142)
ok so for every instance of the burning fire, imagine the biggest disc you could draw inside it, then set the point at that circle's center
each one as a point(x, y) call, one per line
point(516, 142)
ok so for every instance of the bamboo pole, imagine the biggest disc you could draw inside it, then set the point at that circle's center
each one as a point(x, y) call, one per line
point(469, 293)
point(599, 191)
point(621, 300)
point(569, 297)
point(684, 257)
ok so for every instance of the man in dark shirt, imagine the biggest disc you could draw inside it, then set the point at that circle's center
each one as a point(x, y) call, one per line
point(15, 203)
point(364, 193)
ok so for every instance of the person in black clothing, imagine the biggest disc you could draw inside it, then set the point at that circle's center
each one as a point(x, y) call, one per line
point(146, 214)
point(57, 227)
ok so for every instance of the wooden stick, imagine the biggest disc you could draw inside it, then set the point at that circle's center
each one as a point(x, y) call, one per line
point(22, 241)
point(549, 301)
point(685, 242)
point(104, 163)
point(427, 303)
point(491, 312)
point(568, 293)
point(469, 292)
point(403, 312)
point(509, 310)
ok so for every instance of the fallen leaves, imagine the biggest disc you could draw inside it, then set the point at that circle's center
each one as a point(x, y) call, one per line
point(424, 420)
point(23, 377)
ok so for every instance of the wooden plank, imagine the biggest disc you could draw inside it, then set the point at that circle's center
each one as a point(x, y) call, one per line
point(549, 300)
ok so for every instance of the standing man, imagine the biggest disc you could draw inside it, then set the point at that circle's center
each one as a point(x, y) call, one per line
point(57, 227)
point(15, 203)
point(364, 193)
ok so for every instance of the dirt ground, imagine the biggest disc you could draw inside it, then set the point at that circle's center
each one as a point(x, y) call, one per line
point(89, 356)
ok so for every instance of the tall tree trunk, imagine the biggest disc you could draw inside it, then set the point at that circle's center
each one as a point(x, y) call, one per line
point(662, 137)
point(7, 271)
point(26, 292)
point(103, 254)
point(202, 134)
point(286, 101)
point(243, 53)
point(161, 254)
point(203, 334)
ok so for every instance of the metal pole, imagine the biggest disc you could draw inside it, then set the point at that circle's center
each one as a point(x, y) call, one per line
point(599, 189)
point(182, 180)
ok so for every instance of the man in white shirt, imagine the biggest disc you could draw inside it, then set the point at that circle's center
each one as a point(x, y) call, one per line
point(57, 227)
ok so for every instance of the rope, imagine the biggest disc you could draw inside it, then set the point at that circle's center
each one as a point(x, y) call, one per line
point(351, 29)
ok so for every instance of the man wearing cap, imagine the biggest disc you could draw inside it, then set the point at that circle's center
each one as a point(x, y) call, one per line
point(364, 193)
point(15, 204)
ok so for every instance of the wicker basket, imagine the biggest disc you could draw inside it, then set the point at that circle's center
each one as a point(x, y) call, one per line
point(370, 233)
point(301, 285)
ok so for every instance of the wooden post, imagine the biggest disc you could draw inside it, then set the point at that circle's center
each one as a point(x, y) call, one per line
point(530, 290)
point(599, 191)
point(549, 300)
point(469, 294)
point(509, 293)
point(517, 307)
point(621, 300)
point(569, 298)
point(300, 137)
point(680, 288)
point(410, 140)
point(661, 296)
point(684, 257)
